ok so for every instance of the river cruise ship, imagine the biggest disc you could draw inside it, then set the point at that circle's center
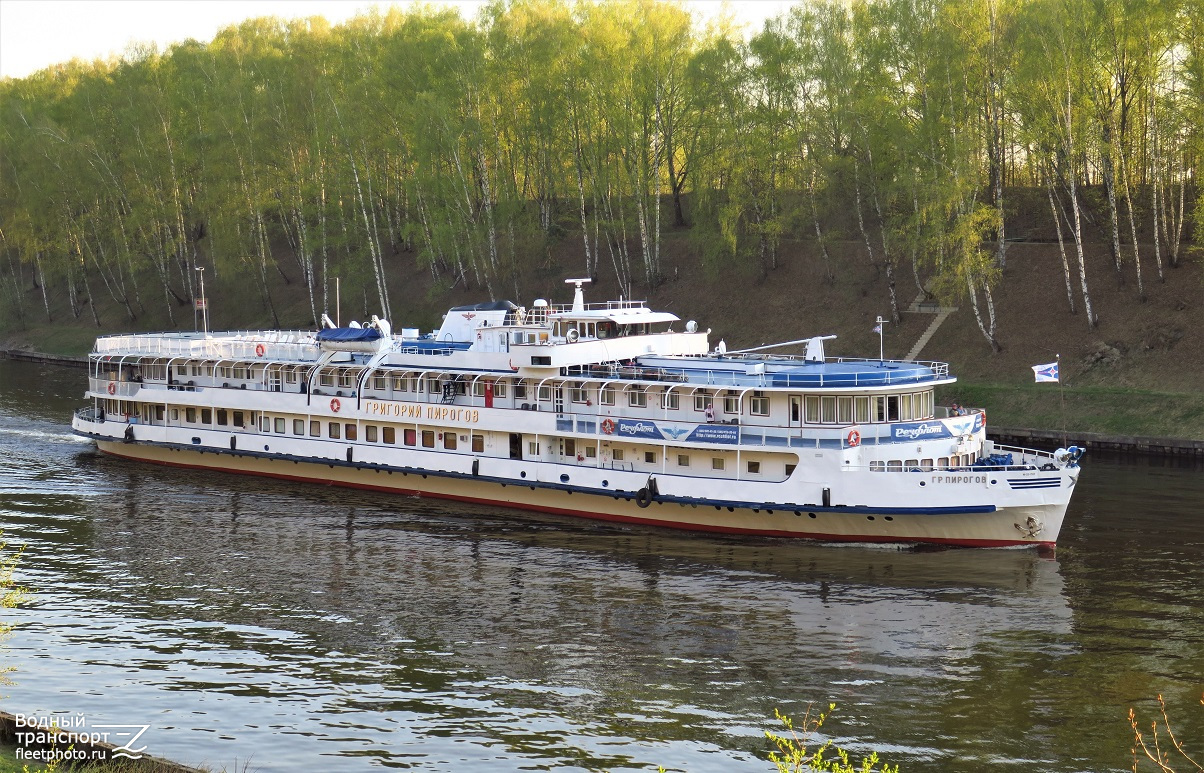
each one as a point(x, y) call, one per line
point(610, 411)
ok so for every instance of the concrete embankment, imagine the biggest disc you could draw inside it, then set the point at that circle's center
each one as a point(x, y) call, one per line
point(57, 359)
point(1153, 446)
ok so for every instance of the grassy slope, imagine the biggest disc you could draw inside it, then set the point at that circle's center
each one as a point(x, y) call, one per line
point(1151, 385)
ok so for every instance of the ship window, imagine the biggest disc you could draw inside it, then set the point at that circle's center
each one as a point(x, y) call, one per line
point(731, 402)
point(828, 410)
point(350, 432)
point(717, 463)
point(926, 465)
point(196, 369)
point(175, 414)
point(265, 424)
point(570, 447)
point(683, 460)
point(637, 399)
point(520, 390)
point(877, 467)
point(606, 396)
point(298, 426)
point(478, 444)
point(334, 430)
point(428, 438)
point(925, 409)
point(892, 408)
point(238, 419)
point(159, 411)
point(790, 469)
point(181, 370)
point(225, 371)
point(754, 468)
point(240, 373)
point(578, 394)
point(758, 405)
point(942, 463)
point(380, 382)
point(280, 425)
point(591, 452)
point(290, 376)
point(812, 404)
point(222, 417)
point(905, 405)
point(433, 385)
point(370, 433)
point(894, 465)
point(326, 379)
point(844, 410)
point(532, 448)
point(861, 407)
point(190, 415)
point(650, 457)
point(617, 454)
point(703, 399)
point(206, 415)
point(670, 400)
point(879, 408)
point(545, 392)
point(315, 429)
point(912, 465)
point(346, 378)
point(478, 388)
point(499, 389)
point(400, 385)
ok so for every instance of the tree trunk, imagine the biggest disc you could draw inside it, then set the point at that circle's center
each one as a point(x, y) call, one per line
point(1061, 243)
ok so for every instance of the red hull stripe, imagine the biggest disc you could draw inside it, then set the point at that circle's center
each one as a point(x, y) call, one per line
point(984, 543)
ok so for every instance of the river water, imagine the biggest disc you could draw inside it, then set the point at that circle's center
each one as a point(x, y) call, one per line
point(307, 628)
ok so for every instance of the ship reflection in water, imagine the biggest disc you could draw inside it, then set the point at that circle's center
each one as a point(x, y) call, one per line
point(298, 626)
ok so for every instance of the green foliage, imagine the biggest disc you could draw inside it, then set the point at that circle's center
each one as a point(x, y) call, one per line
point(470, 147)
point(795, 755)
point(11, 595)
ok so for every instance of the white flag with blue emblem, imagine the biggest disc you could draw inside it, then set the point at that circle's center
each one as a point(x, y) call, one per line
point(878, 328)
point(1046, 372)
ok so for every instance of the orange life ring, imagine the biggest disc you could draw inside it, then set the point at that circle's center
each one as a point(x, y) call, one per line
point(854, 438)
point(335, 405)
point(258, 350)
point(112, 388)
point(608, 426)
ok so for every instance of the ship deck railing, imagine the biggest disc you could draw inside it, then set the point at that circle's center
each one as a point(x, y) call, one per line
point(729, 378)
point(290, 345)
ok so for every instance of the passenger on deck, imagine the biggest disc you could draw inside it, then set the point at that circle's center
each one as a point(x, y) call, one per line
point(710, 413)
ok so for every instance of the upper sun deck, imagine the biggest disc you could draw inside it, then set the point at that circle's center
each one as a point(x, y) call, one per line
point(785, 371)
point(281, 345)
point(620, 340)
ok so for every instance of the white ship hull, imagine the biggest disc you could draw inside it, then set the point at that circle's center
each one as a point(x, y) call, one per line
point(1031, 518)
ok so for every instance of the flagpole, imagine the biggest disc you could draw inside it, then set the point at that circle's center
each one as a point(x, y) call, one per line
point(881, 358)
point(1062, 394)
